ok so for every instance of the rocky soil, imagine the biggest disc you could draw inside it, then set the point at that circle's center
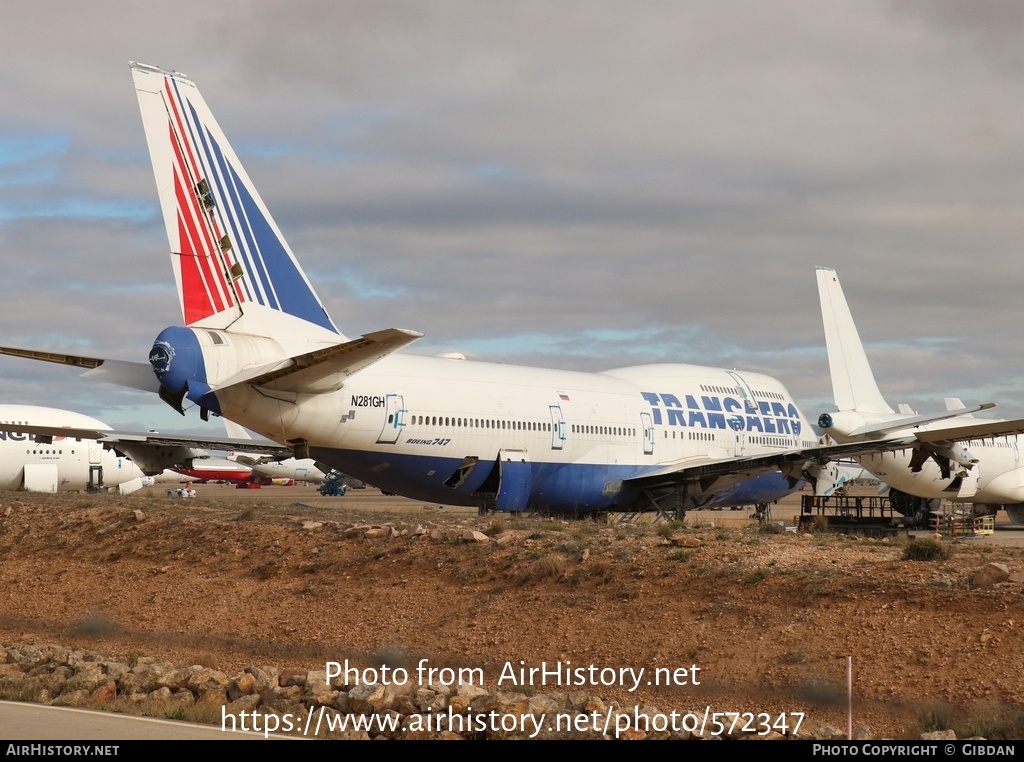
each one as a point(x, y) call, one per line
point(769, 618)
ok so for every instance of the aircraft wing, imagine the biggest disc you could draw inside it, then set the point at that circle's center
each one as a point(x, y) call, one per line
point(266, 446)
point(113, 437)
point(152, 451)
point(707, 475)
point(980, 430)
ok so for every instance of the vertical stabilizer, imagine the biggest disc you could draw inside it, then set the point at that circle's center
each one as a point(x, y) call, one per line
point(955, 403)
point(234, 430)
point(853, 383)
point(233, 268)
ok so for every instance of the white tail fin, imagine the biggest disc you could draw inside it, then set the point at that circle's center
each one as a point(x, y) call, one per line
point(233, 268)
point(954, 403)
point(234, 430)
point(853, 383)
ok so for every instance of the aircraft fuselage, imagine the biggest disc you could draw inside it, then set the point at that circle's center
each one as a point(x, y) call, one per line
point(463, 432)
point(997, 478)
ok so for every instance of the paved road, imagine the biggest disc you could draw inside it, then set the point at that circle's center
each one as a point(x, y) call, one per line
point(35, 722)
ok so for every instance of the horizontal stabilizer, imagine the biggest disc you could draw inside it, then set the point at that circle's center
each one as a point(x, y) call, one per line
point(55, 357)
point(980, 430)
point(325, 370)
point(900, 424)
point(135, 375)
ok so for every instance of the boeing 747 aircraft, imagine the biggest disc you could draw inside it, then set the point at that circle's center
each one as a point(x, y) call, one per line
point(258, 347)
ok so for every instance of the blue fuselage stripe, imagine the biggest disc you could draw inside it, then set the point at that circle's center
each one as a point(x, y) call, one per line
point(556, 486)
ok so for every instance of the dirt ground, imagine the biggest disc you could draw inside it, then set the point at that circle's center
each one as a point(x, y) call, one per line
point(238, 577)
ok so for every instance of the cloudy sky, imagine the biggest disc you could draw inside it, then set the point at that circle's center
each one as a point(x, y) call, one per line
point(569, 184)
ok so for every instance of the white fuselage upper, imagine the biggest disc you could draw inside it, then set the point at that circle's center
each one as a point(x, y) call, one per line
point(410, 423)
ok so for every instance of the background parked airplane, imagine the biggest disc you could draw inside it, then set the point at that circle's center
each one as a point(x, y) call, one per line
point(258, 347)
point(268, 467)
point(149, 453)
point(61, 462)
point(949, 455)
point(216, 470)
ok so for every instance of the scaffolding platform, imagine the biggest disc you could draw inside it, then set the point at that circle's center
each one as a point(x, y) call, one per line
point(870, 515)
point(958, 520)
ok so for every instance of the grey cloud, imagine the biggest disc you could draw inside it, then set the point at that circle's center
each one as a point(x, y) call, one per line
point(482, 173)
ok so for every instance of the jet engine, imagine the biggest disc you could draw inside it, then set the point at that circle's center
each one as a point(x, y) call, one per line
point(842, 422)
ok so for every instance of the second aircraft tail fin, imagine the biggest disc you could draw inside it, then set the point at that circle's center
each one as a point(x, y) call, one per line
point(853, 383)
